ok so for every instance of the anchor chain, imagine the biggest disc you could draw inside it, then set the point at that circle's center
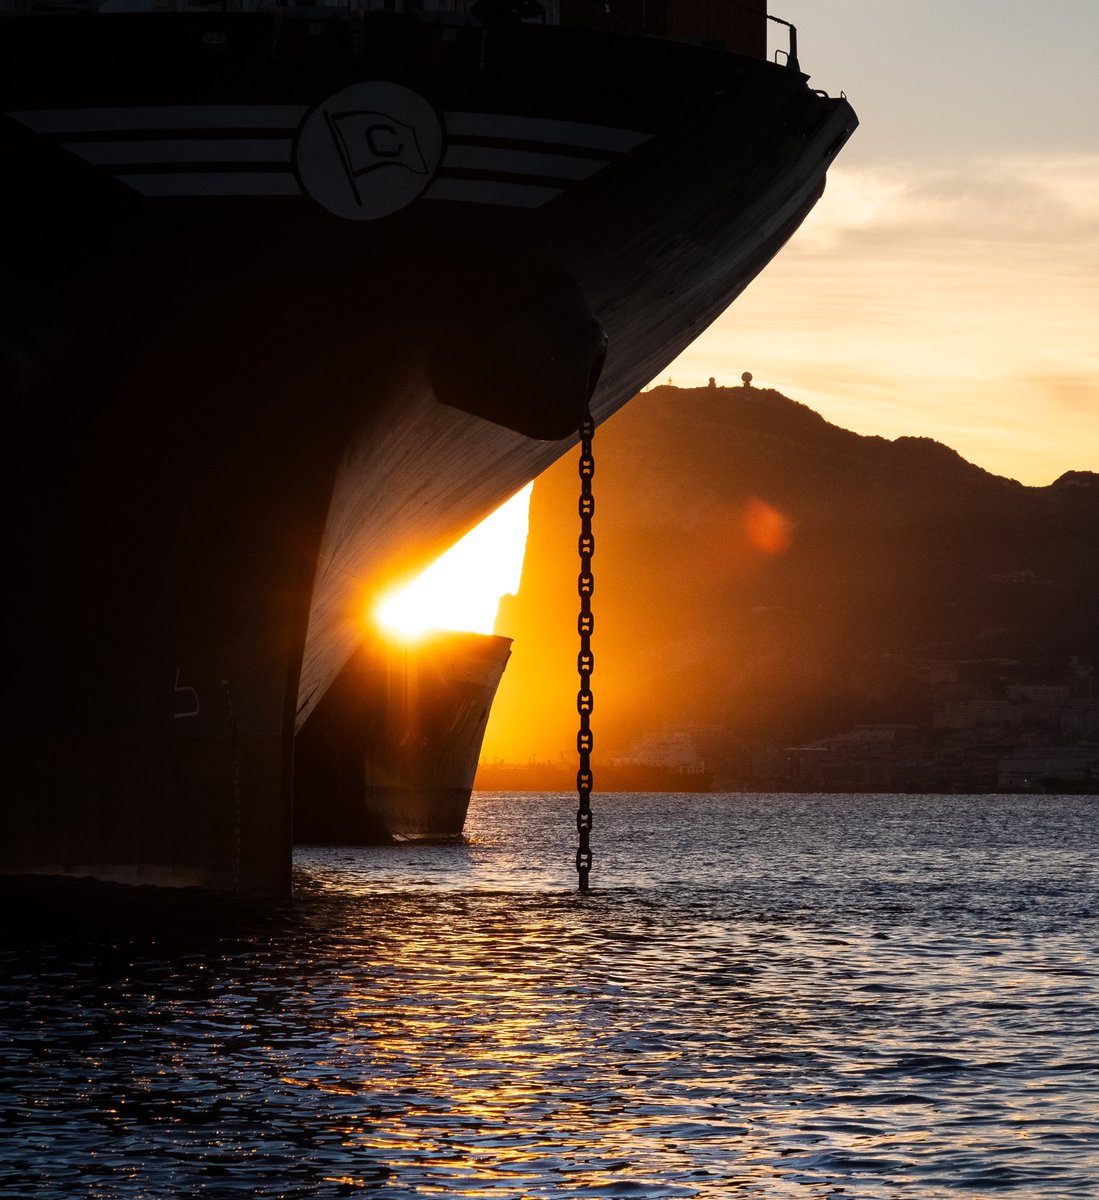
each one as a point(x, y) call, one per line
point(585, 661)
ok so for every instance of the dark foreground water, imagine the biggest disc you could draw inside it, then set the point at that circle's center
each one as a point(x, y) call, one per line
point(767, 996)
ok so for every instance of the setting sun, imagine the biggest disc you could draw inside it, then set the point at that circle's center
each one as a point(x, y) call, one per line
point(462, 589)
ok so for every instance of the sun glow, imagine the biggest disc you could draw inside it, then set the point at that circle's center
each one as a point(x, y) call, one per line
point(462, 589)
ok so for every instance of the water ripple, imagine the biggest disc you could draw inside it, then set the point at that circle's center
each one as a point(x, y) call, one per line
point(456, 1020)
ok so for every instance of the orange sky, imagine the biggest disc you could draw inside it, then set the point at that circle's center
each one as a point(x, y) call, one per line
point(947, 285)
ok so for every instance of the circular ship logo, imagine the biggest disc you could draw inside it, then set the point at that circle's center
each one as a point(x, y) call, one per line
point(369, 150)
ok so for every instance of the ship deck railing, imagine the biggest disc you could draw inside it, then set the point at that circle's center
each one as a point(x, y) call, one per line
point(541, 10)
point(744, 18)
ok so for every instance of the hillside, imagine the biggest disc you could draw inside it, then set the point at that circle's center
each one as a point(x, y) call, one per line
point(761, 571)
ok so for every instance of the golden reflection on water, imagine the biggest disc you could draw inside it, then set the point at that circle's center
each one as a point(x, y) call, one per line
point(657, 1049)
point(497, 1051)
point(434, 1021)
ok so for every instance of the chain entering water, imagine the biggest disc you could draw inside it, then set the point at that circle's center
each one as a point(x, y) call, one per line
point(585, 661)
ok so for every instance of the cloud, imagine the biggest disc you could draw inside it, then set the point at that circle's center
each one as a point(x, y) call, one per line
point(1036, 198)
point(959, 304)
point(1068, 393)
point(853, 201)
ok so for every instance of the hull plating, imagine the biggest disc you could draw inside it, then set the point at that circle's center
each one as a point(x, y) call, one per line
point(240, 281)
point(391, 752)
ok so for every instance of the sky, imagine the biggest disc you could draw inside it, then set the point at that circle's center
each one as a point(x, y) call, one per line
point(947, 284)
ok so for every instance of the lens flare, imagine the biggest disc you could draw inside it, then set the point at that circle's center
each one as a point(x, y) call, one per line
point(768, 529)
point(462, 589)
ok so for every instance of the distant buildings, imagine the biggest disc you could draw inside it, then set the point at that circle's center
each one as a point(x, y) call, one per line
point(975, 737)
point(675, 749)
point(988, 727)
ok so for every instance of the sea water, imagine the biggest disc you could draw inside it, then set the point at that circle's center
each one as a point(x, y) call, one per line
point(772, 996)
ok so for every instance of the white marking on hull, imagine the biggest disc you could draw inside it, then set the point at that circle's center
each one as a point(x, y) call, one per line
point(184, 689)
point(174, 140)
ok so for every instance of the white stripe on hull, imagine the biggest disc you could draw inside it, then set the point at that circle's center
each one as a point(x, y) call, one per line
point(540, 152)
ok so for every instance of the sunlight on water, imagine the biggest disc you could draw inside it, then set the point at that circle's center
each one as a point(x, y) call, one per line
point(765, 996)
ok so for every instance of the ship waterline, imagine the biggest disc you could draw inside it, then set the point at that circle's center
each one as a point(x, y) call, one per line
point(291, 308)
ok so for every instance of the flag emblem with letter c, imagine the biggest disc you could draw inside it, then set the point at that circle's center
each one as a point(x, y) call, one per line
point(369, 151)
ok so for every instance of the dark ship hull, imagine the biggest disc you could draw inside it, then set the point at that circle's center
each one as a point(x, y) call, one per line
point(288, 303)
point(390, 753)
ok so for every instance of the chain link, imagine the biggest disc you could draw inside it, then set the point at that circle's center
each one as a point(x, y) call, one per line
point(585, 660)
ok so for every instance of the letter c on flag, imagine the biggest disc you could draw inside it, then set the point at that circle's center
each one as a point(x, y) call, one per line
point(382, 140)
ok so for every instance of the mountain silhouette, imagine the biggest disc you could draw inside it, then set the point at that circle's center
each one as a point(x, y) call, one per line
point(764, 572)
